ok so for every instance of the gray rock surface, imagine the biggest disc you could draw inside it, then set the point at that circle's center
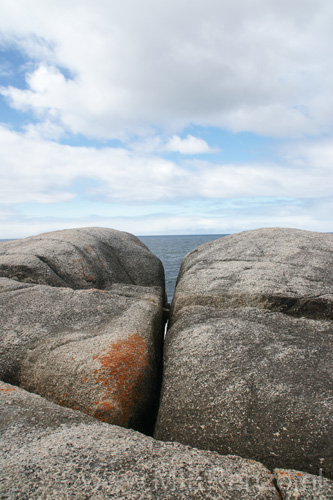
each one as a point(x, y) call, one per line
point(49, 453)
point(285, 270)
point(96, 350)
point(93, 350)
point(81, 258)
point(253, 381)
point(296, 485)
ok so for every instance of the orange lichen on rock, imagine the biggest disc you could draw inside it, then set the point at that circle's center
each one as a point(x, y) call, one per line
point(123, 366)
point(284, 473)
point(84, 270)
point(7, 390)
point(90, 250)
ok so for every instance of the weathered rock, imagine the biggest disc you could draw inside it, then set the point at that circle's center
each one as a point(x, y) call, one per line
point(245, 380)
point(286, 270)
point(51, 452)
point(95, 350)
point(81, 258)
point(249, 382)
point(296, 485)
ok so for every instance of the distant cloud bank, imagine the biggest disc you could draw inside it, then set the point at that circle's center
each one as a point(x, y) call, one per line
point(120, 111)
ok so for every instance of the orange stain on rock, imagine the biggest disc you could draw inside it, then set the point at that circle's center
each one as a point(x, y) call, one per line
point(90, 250)
point(84, 269)
point(8, 390)
point(123, 366)
point(284, 473)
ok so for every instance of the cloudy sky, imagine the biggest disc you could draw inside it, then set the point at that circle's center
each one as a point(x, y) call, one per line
point(165, 116)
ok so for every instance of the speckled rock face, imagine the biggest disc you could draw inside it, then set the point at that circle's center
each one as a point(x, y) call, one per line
point(297, 485)
point(95, 350)
point(81, 258)
point(51, 452)
point(247, 370)
point(284, 270)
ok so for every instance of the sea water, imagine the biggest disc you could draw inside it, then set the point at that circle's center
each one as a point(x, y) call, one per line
point(171, 250)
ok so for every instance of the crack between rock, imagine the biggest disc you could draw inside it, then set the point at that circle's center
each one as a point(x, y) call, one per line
point(278, 491)
point(18, 289)
point(289, 306)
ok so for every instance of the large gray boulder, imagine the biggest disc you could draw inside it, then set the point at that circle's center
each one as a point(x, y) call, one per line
point(285, 270)
point(96, 350)
point(51, 452)
point(90, 257)
point(241, 376)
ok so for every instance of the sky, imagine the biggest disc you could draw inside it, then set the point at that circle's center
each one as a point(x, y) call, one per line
point(165, 117)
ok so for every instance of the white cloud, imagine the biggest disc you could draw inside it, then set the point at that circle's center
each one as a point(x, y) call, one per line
point(34, 169)
point(145, 71)
point(310, 154)
point(261, 66)
point(315, 217)
point(276, 120)
point(189, 146)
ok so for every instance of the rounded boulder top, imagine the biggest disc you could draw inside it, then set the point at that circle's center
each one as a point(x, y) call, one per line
point(281, 269)
point(81, 258)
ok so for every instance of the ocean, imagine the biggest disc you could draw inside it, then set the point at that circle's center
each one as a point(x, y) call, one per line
point(171, 250)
